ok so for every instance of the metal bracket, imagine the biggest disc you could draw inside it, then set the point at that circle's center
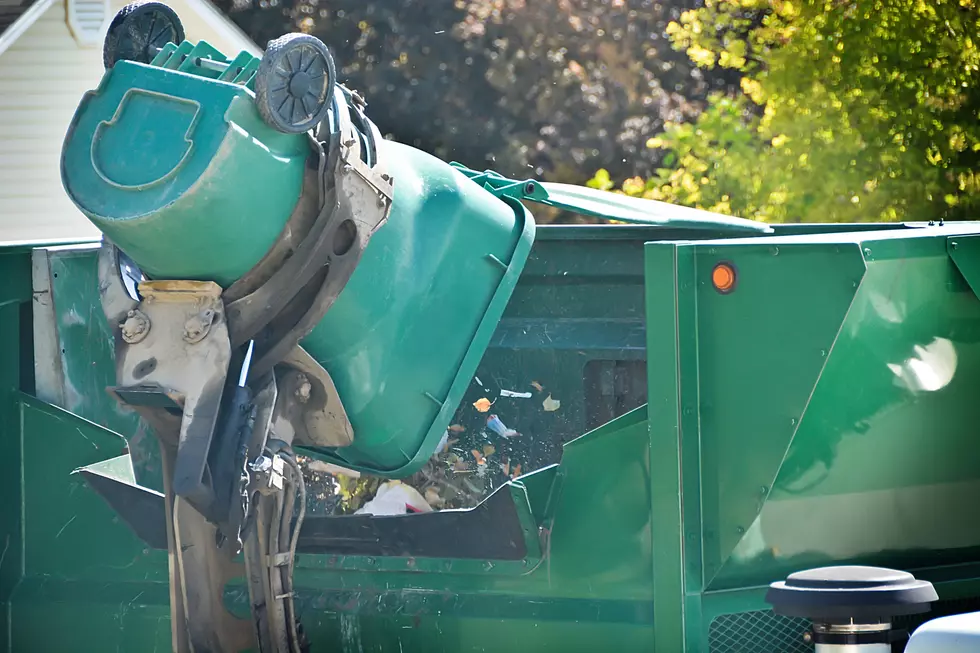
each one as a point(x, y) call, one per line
point(309, 411)
point(190, 374)
point(285, 307)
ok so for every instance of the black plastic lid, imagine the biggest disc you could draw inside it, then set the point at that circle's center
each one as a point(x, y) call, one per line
point(850, 592)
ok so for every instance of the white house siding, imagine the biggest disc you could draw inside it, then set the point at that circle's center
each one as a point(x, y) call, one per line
point(43, 75)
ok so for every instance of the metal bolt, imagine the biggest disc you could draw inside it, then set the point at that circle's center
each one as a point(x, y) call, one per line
point(135, 328)
point(303, 389)
point(196, 327)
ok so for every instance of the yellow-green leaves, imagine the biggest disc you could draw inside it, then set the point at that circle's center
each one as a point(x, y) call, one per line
point(866, 110)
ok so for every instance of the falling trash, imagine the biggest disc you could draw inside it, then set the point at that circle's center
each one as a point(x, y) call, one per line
point(551, 405)
point(482, 405)
point(443, 443)
point(515, 395)
point(537, 386)
point(498, 427)
point(395, 498)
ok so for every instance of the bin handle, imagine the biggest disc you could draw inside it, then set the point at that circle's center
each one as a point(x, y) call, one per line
point(612, 206)
point(637, 210)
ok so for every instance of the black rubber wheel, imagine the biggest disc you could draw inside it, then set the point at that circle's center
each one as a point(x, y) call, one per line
point(294, 83)
point(139, 30)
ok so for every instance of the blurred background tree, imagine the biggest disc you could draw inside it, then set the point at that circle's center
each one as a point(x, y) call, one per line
point(550, 89)
point(847, 111)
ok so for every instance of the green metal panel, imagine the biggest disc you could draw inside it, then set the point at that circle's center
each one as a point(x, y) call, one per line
point(85, 583)
point(87, 358)
point(670, 343)
point(821, 413)
point(625, 550)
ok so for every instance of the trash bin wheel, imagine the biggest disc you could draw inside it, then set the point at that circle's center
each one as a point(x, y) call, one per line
point(294, 83)
point(138, 32)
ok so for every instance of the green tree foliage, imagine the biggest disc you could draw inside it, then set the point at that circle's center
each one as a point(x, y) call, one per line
point(549, 88)
point(848, 111)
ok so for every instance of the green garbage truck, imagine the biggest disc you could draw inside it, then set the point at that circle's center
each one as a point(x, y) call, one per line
point(317, 390)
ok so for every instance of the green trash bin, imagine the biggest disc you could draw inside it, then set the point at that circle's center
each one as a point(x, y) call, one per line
point(174, 159)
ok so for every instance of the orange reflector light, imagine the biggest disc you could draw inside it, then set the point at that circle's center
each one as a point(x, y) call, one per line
point(723, 277)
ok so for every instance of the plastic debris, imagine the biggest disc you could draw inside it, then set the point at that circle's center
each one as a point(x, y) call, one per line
point(498, 427)
point(433, 499)
point(482, 405)
point(395, 498)
point(550, 404)
point(515, 395)
point(443, 442)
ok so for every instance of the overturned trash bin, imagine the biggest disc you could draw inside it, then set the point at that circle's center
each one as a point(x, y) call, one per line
point(366, 264)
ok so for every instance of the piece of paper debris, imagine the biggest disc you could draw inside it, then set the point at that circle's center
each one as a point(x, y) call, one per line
point(482, 405)
point(551, 405)
point(537, 386)
point(515, 395)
